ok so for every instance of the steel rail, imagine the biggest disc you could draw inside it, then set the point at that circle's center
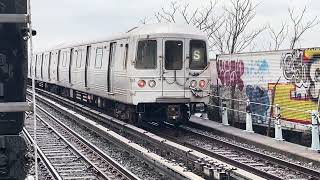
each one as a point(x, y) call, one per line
point(169, 168)
point(124, 172)
point(186, 152)
point(87, 160)
point(296, 167)
point(44, 159)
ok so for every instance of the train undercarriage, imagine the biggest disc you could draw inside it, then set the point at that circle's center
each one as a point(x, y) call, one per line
point(173, 113)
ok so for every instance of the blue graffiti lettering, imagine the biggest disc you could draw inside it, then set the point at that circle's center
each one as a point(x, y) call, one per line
point(257, 69)
point(258, 95)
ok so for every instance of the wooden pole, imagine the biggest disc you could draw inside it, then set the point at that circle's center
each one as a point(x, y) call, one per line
point(271, 111)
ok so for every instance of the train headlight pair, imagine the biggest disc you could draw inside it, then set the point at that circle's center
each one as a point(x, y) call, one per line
point(194, 83)
point(151, 83)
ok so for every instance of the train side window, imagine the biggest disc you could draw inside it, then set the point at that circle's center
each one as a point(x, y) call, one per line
point(43, 60)
point(36, 61)
point(78, 58)
point(40, 60)
point(173, 55)
point(146, 55)
point(46, 62)
point(112, 53)
point(125, 56)
point(99, 56)
point(63, 60)
point(76, 54)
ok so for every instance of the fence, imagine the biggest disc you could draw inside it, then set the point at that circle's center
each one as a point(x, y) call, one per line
point(260, 103)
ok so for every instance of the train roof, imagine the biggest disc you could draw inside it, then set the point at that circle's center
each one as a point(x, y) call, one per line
point(150, 29)
point(166, 28)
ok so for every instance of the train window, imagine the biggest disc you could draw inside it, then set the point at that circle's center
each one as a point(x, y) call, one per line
point(40, 60)
point(64, 59)
point(78, 58)
point(126, 56)
point(198, 55)
point(173, 55)
point(112, 53)
point(99, 56)
point(146, 55)
point(46, 61)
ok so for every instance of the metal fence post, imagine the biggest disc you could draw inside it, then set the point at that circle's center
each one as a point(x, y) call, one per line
point(224, 114)
point(277, 125)
point(315, 145)
point(248, 118)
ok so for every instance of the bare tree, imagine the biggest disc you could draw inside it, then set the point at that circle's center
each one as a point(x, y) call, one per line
point(234, 35)
point(299, 26)
point(168, 15)
point(202, 18)
point(143, 20)
point(277, 37)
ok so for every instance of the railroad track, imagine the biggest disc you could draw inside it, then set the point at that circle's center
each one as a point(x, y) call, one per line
point(67, 155)
point(162, 165)
point(252, 160)
point(189, 159)
point(261, 161)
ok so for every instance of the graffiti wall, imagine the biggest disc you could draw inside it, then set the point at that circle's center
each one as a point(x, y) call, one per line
point(289, 78)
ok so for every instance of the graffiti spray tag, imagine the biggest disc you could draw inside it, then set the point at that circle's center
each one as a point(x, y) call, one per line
point(230, 72)
point(257, 69)
point(302, 68)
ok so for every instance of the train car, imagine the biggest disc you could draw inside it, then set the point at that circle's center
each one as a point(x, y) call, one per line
point(154, 72)
point(288, 78)
point(13, 64)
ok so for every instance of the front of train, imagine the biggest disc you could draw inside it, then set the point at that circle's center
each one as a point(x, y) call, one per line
point(172, 78)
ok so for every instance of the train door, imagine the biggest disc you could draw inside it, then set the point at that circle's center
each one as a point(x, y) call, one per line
point(53, 66)
point(112, 53)
point(48, 68)
point(58, 62)
point(86, 66)
point(70, 65)
point(173, 67)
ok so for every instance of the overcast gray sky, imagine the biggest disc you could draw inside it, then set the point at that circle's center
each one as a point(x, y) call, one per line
point(59, 21)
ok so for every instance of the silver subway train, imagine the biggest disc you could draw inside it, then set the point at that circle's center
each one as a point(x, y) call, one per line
point(151, 73)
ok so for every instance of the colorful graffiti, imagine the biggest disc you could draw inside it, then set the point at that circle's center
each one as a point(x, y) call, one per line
point(292, 108)
point(302, 68)
point(230, 72)
point(258, 95)
point(258, 69)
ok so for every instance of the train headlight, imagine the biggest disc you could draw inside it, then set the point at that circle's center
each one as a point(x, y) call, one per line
point(141, 83)
point(152, 83)
point(202, 83)
point(193, 83)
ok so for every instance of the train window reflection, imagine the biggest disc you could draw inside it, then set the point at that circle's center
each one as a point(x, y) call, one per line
point(174, 53)
point(99, 56)
point(198, 55)
point(146, 55)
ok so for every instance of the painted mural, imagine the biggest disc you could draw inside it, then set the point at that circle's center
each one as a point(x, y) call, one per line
point(295, 73)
